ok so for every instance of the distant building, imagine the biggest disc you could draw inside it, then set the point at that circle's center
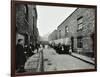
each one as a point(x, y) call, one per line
point(79, 28)
point(26, 23)
point(53, 35)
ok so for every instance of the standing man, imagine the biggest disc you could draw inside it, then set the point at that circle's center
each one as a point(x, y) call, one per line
point(20, 56)
point(37, 46)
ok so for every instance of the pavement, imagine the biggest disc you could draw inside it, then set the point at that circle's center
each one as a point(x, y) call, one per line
point(33, 63)
point(84, 58)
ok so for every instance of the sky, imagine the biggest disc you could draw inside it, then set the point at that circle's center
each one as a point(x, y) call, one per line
point(50, 17)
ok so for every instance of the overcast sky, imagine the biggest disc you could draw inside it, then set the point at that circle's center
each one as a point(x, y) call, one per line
point(50, 17)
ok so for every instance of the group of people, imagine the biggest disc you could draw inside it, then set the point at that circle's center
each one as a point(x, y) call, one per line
point(29, 49)
point(23, 52)
point(62, 48)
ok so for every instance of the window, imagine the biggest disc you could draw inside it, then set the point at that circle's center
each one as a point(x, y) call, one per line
point(80, 23)
point(66, 30)
point(26, 12)
point(79, 42)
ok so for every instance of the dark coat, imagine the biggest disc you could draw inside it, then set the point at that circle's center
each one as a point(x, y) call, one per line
point(59, 49)
point(20, 56)
point(30, 53)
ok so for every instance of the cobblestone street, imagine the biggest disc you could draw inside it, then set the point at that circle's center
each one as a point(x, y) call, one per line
point(56, 62)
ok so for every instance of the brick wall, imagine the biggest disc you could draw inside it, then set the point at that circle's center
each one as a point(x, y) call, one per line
point(87, 29)
point(26, 21)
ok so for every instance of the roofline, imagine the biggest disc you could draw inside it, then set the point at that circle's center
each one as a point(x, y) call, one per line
point(68, 17)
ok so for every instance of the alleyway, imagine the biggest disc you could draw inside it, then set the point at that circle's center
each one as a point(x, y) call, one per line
point(56, 62)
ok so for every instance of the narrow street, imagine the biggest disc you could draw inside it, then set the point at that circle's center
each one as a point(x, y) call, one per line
point(57, 62)
point(54, 38)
